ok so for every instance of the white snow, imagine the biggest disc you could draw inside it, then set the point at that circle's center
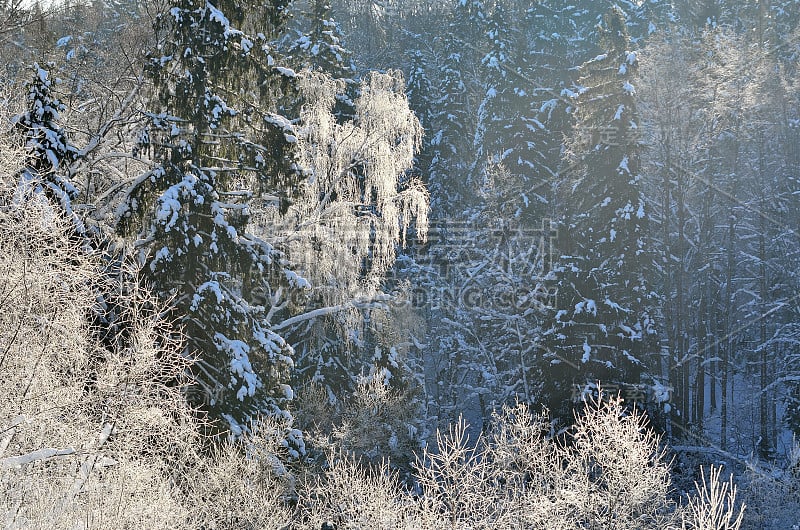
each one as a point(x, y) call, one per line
point(623, 165)
point(295, 280)
point(212, 286)
point(169, 204)
point(288, 72)
point(240, 365)
point(615, 306)
point(163, 254)
point(34, 456)
point(627, 87)
point(587, 352)
point(662, 394)
point(587, 305)
point(548, 106)
point(591, 307)
point(632, 334)
point(216, 15)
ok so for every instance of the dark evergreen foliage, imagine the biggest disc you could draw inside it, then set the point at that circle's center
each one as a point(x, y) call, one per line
point(218, 145)
point(47, 148)
point(602, 329)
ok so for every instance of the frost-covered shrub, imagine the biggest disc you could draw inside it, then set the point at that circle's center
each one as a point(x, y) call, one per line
point(609, 473)
point(627, 477)
point(88, 433)
point(242, 484)
point(351, 496)
point(773, 495)
point(375, 423)
point(714, 506)
point(380, 422)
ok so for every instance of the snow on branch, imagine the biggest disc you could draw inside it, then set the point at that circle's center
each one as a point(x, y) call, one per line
point(34, 456)
point(358, 200)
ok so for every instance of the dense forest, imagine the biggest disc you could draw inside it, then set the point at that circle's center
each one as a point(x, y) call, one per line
point(400, 264)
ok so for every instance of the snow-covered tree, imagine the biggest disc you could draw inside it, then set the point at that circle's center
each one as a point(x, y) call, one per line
point(673, 135)
point(321, 47)
point(451, 123)
point(217, 145)
point(499, 106)
point(349, 217)
point(602, 327)
point(48, 151)
point(493, 276)
point(420, 91)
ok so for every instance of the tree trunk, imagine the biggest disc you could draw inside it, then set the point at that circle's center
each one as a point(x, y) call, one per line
point(727, 347)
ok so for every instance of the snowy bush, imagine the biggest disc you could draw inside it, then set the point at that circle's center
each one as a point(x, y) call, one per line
point(714, 507)
point(773, 495)
point(241, 484)
point(609, 472)
point(351, 496)
point(88, 435)
point(376, 423)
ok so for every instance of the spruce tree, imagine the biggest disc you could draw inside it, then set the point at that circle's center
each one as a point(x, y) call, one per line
point(322, 46)
point(218, 144)
point(419, 90)
point(451, 125)
point(498, 104)
point(602, 328)
point(47, 150)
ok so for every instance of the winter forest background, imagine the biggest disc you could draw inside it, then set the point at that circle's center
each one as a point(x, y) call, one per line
point(400, 264)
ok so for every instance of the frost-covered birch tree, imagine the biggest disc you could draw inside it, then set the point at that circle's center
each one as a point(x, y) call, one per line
point(353, 210)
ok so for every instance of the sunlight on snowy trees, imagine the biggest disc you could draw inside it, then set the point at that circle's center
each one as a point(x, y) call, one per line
point(235, 294)
point(72, 453)
point(78, 420)
point(609, 473)
point(355, 208)
point(357, 202)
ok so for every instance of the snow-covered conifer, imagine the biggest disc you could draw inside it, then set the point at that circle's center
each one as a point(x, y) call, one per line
point(47, 149)
point(602, 328)
point(217, 145)
point(322, 46)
